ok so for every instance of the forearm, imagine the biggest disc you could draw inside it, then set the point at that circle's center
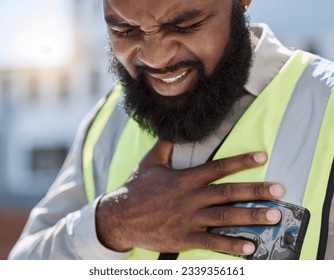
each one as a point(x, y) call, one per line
point(72, 237)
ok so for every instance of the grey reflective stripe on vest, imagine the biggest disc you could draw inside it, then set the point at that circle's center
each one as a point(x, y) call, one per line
point(297, 137)
point(106, 146)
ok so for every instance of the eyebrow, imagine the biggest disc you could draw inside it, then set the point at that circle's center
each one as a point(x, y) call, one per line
point(186, 16)
point(116, 21)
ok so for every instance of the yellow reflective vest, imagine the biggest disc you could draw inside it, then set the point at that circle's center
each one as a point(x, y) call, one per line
point(292, 120)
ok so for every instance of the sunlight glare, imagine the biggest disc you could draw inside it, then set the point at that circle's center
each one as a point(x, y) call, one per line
point(36, 33)
point(42, 44)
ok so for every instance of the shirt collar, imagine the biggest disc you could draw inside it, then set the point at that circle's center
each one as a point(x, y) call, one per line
point(269, 57)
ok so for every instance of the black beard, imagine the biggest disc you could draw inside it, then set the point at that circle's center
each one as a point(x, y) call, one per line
point(193, 115)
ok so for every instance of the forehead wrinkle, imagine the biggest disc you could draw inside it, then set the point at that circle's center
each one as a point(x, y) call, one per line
point(152, 16)
point(157, 15)
point(134, 17)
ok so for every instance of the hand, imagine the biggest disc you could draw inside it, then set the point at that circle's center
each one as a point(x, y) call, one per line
point(169, 210)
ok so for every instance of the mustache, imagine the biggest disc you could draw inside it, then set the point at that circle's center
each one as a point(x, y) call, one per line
point(142, 69)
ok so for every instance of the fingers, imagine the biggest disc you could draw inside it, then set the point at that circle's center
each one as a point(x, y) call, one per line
point(231, 216)
point(236, 216)
point(214, 170)
point(211, 171)
point(233, 192)
point(204, 240)
point(160, 154)
point(211, 199)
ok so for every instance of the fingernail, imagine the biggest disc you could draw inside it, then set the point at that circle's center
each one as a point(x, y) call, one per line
point(273, 215)
point(248, 248)
point(260, 157)
point(276, 191)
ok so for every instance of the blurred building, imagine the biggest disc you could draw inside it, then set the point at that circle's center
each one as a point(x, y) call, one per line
point(41, 107)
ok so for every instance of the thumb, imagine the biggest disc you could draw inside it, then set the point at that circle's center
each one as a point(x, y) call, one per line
point(160, 154)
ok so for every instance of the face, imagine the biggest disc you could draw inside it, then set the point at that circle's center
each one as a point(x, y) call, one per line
point(161, 34)
point(170, 62)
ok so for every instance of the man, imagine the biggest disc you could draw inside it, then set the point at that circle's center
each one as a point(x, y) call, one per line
point(159, 161)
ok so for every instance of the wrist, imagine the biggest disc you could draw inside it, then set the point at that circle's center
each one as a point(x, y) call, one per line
point(109, 229)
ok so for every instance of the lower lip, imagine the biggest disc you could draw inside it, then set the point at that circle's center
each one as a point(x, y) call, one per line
point(178, 87)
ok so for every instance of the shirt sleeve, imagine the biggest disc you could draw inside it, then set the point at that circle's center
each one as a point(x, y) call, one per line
point(62, 224)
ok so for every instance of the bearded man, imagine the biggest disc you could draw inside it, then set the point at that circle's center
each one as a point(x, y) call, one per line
point(210, 111)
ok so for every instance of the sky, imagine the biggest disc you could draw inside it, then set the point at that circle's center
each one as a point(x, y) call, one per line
point(36, 32)
point(294, 16)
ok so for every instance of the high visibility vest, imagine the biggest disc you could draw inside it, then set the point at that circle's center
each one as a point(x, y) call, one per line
point(292, 120)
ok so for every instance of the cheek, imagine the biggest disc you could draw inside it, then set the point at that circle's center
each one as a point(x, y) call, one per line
point(209, 46)
point(209, 52)
point(125, 52)
point(217, 43)
point(214, 38)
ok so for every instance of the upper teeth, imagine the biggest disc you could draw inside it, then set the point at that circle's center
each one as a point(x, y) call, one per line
point(174, 79)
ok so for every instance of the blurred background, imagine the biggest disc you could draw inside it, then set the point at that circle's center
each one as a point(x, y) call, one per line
point(53, 69)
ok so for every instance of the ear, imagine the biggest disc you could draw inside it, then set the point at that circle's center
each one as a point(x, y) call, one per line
point(244, 4)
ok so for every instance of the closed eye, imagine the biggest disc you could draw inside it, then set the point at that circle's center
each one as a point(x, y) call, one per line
point(187, 29)
point(124, 33)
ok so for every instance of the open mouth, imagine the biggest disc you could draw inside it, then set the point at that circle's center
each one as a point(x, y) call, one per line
point(172, 83)
point(170, 78)
point(174, 79)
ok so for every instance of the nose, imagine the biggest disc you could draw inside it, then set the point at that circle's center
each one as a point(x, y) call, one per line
point(156, 51)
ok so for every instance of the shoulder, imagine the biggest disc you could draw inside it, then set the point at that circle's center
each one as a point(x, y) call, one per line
point(324, 70)
point(319, 71)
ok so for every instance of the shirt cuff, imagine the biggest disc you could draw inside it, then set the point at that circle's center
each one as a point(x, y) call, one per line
point(86, 242)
